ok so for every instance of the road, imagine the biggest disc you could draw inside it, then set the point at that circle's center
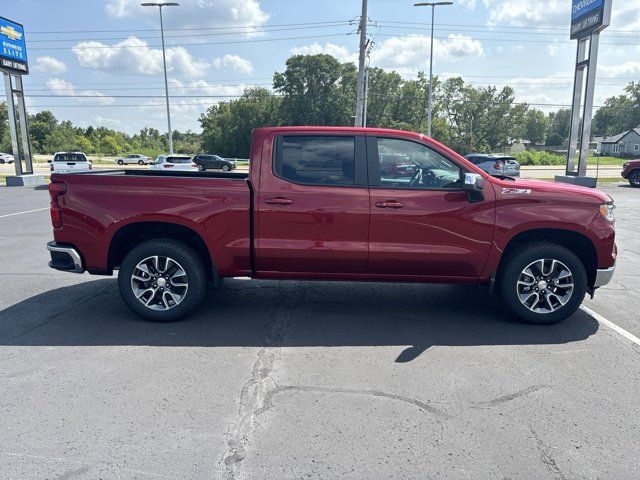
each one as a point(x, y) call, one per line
point(309, 380)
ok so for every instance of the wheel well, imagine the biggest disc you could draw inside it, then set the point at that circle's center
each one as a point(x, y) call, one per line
point(576, 242)
point(133, 234)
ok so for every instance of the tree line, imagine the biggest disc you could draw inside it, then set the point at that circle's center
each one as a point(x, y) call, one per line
point(320, 90)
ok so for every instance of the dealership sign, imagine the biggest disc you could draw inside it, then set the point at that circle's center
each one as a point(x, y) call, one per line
point(13, 48)
point(589, 16)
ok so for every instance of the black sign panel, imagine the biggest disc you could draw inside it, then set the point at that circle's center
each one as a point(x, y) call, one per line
point(589, 16)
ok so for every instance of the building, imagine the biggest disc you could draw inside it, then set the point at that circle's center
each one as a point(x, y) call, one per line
point(626, 144)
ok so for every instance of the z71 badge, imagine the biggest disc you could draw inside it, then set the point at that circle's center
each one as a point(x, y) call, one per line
point(516, 191)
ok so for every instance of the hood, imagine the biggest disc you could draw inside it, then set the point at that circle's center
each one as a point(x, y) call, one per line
point(559, 188)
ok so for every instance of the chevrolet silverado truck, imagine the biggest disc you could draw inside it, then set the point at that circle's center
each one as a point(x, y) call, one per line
point(316, 205)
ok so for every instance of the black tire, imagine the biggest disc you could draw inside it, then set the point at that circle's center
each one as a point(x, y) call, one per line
point(120, 162)
point(225, 168)
point(201, 167)
point(634, 179)
point(188, 260)
point(140, 162)
point(522, 257)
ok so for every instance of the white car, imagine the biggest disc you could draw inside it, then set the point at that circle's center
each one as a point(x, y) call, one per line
point(174, 162)
point(6, 158)
point(70, 162)
point(133, 158)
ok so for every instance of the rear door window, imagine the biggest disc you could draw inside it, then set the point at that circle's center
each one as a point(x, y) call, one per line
point(316, 160)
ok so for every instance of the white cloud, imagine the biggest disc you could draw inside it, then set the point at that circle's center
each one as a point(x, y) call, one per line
point(60, 87)
point(520, 13)
point(338, 51)
point(626, 69)
point(135, 56)
point(233, 62)
point(196, 14)
point(107, 122)
point(49, 65)
point(409, 54)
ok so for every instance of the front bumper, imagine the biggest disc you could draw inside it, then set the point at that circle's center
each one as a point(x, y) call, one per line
point(604, 276)
point(65, 258)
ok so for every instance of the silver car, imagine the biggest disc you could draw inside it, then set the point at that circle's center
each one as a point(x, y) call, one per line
point(133, 158)
point(6, 158)
point(495, 164)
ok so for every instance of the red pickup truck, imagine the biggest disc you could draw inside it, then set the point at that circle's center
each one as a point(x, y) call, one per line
point(316, 205)
point(631, 172)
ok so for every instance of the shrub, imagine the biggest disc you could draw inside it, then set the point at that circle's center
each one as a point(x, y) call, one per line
point(539, 158)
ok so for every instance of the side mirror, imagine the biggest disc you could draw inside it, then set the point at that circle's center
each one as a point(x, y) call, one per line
point(473, 185)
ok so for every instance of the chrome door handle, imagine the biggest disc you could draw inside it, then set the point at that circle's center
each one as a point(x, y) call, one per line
point(279, 201)
point(393, 204)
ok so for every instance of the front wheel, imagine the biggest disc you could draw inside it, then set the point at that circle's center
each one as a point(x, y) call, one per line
point(140, 162)
point(542, 283)
point(225, 168)
point(634, 179)
point(162, 280)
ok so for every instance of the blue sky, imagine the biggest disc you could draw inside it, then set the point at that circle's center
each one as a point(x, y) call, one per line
point(84, 54)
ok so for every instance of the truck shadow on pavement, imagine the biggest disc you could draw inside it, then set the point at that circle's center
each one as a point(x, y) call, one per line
point(241, 313)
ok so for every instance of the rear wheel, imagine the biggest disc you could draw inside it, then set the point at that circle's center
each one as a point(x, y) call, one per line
point(162, 280)
point(120, 162)
point(200, 167)
point(634, 179)
point(543, 283)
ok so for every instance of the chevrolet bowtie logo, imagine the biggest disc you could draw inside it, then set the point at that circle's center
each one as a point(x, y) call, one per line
point(11, 32)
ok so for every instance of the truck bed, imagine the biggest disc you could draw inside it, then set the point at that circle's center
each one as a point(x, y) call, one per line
point(100, 207)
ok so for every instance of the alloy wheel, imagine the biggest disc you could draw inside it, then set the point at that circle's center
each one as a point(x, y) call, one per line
point(545, 285)
point(159, 283)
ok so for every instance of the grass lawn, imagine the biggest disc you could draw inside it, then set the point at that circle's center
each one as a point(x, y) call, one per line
point(607, 161)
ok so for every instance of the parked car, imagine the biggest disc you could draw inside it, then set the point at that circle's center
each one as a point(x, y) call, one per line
point(496, 165)
point(631, 172)
point(316, 206)
point(6, 158)
point(213, 162)
point(68, 162)
point(133, 158)
point(174, 162)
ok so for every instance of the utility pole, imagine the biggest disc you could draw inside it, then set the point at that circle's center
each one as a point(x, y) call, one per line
point(361, 66)
point(164, 62)
point(433, 6)
point(366, 96)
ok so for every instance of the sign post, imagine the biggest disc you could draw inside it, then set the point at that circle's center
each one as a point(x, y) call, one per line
point(14, 64)
point(588, 19)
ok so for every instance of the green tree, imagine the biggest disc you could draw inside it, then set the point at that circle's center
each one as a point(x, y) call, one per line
point(41, 125)
point(316, 90)
point(227, 126)
point(536, 124)
point(560, 123)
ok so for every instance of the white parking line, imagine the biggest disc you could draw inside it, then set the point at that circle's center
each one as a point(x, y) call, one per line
point(26, 211)
point(611, 325)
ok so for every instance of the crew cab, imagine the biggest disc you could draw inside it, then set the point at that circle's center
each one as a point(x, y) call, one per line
point(317, 204)
point(631, 172)
point(66, 162)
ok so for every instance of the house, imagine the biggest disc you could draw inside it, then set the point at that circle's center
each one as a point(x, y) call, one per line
point(626, 144)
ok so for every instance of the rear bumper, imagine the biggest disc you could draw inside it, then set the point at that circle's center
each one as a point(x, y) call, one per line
point(65, 258)
point(604, 276)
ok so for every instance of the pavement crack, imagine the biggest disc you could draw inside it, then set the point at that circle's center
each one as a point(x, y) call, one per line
point(255, 391)
point(512, 396)
point(423, 406)
point(546, 457)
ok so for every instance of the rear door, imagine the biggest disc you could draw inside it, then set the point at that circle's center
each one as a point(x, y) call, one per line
point(422, 222)
point(313, 205)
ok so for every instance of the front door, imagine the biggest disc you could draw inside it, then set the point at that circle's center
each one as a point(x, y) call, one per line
point(422, 222)
point(313, 206)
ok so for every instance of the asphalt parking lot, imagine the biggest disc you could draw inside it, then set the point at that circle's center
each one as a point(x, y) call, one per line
point(310, 380)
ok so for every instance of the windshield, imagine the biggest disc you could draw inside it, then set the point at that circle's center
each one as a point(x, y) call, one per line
point(70, 157)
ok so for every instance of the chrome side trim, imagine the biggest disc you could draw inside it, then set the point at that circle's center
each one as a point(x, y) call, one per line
point(72, 252)
point(604, 276)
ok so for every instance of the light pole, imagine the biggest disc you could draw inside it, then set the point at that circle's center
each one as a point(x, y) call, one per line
point(164, 61)
point(433, 6)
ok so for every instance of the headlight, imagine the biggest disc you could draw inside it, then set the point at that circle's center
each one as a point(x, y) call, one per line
point(607, 210)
